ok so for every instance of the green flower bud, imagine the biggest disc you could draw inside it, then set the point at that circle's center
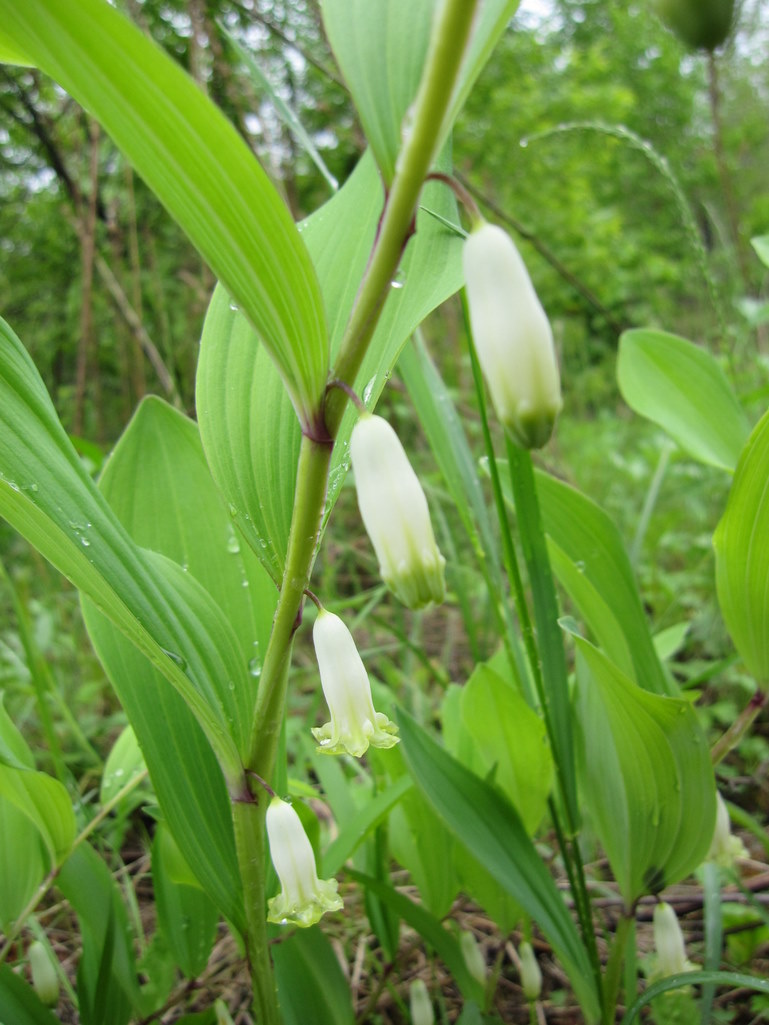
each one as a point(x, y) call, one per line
point(45, 979)
point(531, 974)
point(394, 511)
point(699, 24)
point(303, 899)
point(354, 723)
point(512, 336)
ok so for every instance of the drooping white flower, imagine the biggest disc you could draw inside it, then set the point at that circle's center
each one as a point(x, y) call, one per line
point(669, 943)
point(473, 956)
point(531, 973)
point(395, 514)
point(420, 1004)
point(725, 849)
point(45, 980)
point(354, 723)
point(303, 898)
point(512, 336)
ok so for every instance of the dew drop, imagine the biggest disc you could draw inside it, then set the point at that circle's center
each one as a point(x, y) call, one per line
point(523, 143)
point(234, 306)
point(399, 280)
point(85, 542)
point(255, 667)
point(177, 659)
point(233, 545)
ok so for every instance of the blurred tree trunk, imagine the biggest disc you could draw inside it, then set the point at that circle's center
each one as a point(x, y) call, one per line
point(87, 252)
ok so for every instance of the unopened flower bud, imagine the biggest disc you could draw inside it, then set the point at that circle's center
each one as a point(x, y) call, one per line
point(725, 849)
point(303, 899)
point(419, 1004)
point(669, 943)
point(531, 974)
point(473, 956)
point(354, 723)
point(512, 336)
point(395, 514)
point(45, 980)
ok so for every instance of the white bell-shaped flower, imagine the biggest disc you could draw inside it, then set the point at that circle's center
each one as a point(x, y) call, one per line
point(512, 336)
point(355, 725)
point(303, 898)
point(395, 514)
point(669, 943)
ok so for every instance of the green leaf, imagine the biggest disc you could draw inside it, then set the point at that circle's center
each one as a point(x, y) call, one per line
point(109, 984)
point(154, 478)
point(761, 245)
point(198, 166)
point(682, 388)
point(510, 742)
point(186, 914)
point(311, 986)
point(23, 862)
point(46, 494)
point(124, 762)
point(19, 1003)
point(46, 804)
point(591, 563)
point(488, 825)
point(250, 436)
point(649, 783)
point(380, 46)
point(741, 542)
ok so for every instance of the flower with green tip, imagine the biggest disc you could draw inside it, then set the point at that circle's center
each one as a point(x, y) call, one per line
point(395, 514)
point(303, 899)
point(355, 725)
point(512, 336)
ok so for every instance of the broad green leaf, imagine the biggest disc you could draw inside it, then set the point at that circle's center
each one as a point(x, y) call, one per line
point(12, 53)
point(46, 804)
point(761, 245)
point(311, 986)
point(250, 436)
point(510, 742)
point(380, 46)
point(488, 825)
point(682, 388)
point(106, 983)
point(591, 563)
point(741, 542)
point(186, 914)
point(648, 778)
point(429, 928)
point(48, 496)
point(199, 167)
point(154, 478)
point(19, 1003)
point(22, 862)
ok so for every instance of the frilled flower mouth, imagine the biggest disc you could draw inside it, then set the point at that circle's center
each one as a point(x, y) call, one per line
point(303, 899)
point(355, 725)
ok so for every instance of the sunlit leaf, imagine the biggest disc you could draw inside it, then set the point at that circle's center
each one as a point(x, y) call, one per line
point(761, 245)
point(22, 862)
point(682, 388)
point(311, 986)
point(19, 1003)
point(46, 804)
point(742, 555)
